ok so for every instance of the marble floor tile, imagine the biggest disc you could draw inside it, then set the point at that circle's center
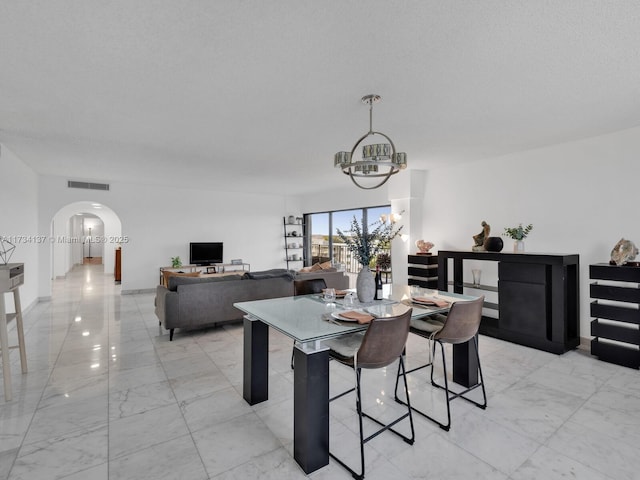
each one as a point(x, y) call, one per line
point(206, 411)
point(274, 465)
point(438, 457)
point(612, 413)
point(108, 396)
point(134, 377)
point(66, 419)
point(580, 386)
point(198, 384)
point(147, 396)
point(552, 465)
point(603, 453)
point(234, 442)
point(60, 456)
point(626, 380)
point(7, 457)
point(488, 440)
point(531, 410)
point(175, 459)
point(147, 428)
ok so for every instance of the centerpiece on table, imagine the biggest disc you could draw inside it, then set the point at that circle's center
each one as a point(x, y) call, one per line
point(365, 242)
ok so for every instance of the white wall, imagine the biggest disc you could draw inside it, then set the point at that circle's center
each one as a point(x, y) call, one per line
point(344, 198)
point(159, 223)
point(581, 198)
point(19, 217)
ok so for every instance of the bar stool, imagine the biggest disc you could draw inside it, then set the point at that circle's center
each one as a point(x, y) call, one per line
point(4, 340)
point(382, 344)
point(459, 326)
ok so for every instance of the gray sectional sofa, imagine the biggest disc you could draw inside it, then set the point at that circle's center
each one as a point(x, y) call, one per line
point(189, 302)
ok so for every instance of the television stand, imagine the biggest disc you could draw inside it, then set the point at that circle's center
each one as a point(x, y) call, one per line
point(216, 268)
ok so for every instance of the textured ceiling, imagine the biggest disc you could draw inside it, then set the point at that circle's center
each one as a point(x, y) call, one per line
point(244, 94)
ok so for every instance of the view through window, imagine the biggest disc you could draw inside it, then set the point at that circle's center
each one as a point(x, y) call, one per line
point(325, 244)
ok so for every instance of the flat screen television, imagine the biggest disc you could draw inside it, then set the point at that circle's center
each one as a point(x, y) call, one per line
point(205, 253)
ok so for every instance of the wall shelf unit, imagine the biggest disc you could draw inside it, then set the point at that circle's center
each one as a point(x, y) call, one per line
point(616, 308)
point(294, 248)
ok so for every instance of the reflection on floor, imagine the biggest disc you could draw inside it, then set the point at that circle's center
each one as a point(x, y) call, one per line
point(92, 260)
point(108, 396)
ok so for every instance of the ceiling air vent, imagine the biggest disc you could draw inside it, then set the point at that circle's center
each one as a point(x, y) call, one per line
point(88, 185)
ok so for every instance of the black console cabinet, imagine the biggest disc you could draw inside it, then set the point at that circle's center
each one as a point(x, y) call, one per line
point(538, 300)
point(617, 315)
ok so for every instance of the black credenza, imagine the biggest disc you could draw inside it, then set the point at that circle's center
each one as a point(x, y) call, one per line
point(538, 297)
point(616, 326)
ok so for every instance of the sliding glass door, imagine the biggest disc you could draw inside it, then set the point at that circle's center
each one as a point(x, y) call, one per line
point(326, 245)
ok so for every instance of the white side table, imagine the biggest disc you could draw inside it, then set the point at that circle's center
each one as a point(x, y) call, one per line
point(11, 277)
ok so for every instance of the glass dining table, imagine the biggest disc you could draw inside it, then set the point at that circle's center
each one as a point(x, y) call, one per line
point(308, 320)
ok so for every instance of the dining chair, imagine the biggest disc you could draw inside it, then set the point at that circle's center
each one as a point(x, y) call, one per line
point(381, 344)
point(307, 287)
point(460, 325)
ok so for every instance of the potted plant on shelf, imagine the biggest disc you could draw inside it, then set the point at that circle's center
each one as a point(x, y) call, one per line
point(176, 262)
point(518, 234)
point(365, 242)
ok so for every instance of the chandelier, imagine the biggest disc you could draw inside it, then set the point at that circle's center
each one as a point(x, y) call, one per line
point(379, 160)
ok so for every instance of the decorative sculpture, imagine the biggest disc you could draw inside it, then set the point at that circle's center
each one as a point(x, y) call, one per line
point(424, 247)
point(6, 250)
point(480, 237)
point(623, 251)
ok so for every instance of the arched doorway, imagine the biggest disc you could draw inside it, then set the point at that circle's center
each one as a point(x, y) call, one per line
point(84, 230)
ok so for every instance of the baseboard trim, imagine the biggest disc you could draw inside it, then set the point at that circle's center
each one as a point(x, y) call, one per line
point(137, 291)
point(585, 344)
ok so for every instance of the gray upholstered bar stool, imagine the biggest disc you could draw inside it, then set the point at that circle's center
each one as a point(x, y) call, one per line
point(382, 344)
point(460, 325)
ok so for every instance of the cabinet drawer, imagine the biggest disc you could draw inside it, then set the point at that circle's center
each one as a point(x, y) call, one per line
point(620, 294)
point(615, 312)
point(618, 354)
point(423, 272)
point(619, 332)
point(522, 272)
point(614, 272)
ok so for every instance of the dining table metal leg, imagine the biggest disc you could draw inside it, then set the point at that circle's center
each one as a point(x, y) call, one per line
point(465, 364)
point(255, 388)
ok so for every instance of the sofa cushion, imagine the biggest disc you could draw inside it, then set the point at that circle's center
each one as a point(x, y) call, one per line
point(175, 282)
point(273, 273)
